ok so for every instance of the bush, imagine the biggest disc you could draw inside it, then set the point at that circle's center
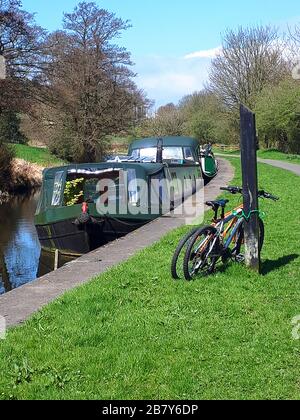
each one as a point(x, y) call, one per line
point(10, 128)
point(208, 120)
point(6, 157)
point(278, 117)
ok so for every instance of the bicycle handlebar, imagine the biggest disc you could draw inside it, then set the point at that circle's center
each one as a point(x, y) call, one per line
point(233, 190)
point(264, 194)
point(239, 190)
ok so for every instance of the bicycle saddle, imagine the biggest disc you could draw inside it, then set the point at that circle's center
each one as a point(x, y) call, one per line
point(217, 204)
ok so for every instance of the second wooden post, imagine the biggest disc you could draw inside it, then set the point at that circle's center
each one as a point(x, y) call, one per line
point(250, 188)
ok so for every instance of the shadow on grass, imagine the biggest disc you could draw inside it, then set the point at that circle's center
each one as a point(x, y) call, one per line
point(272, 265)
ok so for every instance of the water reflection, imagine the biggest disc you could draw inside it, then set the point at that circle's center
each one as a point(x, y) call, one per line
point(21, 257)
point(19, 245)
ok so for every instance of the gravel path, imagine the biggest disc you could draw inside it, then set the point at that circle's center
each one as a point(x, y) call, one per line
point(292, 167)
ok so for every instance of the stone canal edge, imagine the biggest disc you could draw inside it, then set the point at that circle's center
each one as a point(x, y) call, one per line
point(19, 304)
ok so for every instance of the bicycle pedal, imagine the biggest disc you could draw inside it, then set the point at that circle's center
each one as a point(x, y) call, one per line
point(240, 258)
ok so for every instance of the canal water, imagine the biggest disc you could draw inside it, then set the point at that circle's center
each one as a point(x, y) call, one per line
point(21, 258)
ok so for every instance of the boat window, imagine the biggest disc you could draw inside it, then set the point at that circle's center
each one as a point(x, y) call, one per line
point(136, 153)
point(188, 154)
point(148, 153)
point(80, 188)
point(57, 189)
point(90, 190)
point(133, 192)
point(172, 153)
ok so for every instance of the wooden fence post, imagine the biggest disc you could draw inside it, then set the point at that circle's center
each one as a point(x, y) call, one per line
point(56, 260)
point(250, 187)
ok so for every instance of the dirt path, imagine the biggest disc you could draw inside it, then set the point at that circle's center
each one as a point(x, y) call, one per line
point(292, 167)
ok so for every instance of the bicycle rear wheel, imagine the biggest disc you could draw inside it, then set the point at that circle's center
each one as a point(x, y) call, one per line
point(178, 257)
point(202, 254)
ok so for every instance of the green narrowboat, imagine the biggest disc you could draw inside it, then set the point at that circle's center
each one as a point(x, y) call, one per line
point(177, 152)
point(85, 206)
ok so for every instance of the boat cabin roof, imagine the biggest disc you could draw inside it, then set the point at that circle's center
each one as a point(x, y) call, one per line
point(54, 179)
point(166, 142)
point(98, 168)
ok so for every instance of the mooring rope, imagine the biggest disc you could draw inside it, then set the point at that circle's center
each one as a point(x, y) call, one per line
point(242, 215)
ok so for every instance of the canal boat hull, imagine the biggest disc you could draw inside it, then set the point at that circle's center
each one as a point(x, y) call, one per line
point(66, 236)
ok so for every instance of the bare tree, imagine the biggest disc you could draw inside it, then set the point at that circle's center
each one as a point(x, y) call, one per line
point(19, 43)
point(168, 121)
point(20, 40)
point(251, 58)
point(20, 49)
point(90, 82)
point(295, 37)
point(295, 46)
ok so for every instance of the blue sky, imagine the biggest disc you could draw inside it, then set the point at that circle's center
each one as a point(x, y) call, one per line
point(166, 34)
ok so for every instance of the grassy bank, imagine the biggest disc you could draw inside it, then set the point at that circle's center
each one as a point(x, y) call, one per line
point(25, 172)
point(41, 157)
point(119, 145)
point(135, 333)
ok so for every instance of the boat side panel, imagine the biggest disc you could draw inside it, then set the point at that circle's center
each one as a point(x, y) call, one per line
point(70, 238)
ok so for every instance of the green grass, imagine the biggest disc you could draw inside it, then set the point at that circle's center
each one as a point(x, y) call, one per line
point(36, 155)
point(229, 152)
point(135, 333)
point(123, 141)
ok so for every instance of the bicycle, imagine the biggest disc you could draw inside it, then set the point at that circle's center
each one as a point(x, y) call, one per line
point(211, 243)
point(178, 256)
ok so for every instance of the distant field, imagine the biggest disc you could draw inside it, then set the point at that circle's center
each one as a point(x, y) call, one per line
point(36, 155)
point(228, 151)
point(124, 141)
point(119, 144)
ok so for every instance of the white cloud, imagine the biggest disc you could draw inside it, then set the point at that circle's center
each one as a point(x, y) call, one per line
point(168, 79)
point(171, 82)
point(212, 53)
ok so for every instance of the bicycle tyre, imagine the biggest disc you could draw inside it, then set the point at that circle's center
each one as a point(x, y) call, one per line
point(207, 230)
point(180, 247)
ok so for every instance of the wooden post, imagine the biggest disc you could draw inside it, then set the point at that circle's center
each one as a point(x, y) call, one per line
point(2, 67)
point(3, 270)
point(56, 260)
point(160, 149)
point(250, 187)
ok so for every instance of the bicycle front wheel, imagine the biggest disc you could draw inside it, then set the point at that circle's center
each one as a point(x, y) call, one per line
point(202, 254)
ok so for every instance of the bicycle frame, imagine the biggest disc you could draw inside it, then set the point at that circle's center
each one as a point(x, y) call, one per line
point(232, 220)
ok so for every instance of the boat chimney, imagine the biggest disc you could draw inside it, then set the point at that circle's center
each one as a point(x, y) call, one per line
point(159, 156)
